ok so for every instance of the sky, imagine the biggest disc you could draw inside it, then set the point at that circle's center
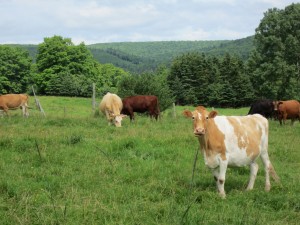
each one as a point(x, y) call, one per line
point(105, 21)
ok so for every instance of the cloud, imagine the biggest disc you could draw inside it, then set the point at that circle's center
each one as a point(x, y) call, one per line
point(93, 21)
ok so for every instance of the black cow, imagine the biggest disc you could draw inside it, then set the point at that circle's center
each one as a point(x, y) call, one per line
point(263, 107)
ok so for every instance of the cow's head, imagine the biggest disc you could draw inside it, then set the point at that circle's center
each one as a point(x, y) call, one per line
point(276, 105)
point(277, 111)
point(116, 119)
point(200, 118)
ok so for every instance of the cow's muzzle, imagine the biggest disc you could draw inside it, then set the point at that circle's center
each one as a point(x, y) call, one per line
point(199, 131)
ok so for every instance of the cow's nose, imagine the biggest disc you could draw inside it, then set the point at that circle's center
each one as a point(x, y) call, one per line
point(199, 130)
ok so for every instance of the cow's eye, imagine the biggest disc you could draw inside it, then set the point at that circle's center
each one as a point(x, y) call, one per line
point(206, 118)
point(193, 117)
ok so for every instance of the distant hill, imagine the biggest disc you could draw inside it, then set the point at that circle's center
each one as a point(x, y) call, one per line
point(143, 56)
point(138, 57)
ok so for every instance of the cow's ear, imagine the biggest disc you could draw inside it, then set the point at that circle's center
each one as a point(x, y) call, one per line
point(123, 116)
point(187, 113)
point(212, 114)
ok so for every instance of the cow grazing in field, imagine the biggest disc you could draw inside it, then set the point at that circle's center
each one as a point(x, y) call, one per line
point(14, 101)
point(263, 107)
point(141, 104)
point(287, 110)
point(111, 106)
point(233, 141)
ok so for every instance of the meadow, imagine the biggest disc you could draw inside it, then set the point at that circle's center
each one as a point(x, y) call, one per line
point(70, 167)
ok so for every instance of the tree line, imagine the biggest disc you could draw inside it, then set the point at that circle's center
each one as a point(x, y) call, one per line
point(271, 71)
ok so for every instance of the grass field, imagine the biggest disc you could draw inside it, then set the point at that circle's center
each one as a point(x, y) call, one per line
point(70, 167)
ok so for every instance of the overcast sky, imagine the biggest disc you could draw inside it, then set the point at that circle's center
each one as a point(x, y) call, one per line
point(101, 21)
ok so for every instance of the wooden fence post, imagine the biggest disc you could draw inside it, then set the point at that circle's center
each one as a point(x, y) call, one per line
point(94, 97)
point(38, 104)
point(174, 111)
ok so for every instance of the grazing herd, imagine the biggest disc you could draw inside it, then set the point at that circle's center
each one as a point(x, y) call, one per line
point(225, 141)
point(112, 106)
point(278, 110)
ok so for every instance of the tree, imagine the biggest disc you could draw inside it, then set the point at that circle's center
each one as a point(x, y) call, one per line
point(274, 64)
point(69, 70)
point(15, 70)
point(191, 71)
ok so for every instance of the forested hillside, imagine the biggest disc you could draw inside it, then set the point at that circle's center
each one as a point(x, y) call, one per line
point(145, 56)
point(138, 57)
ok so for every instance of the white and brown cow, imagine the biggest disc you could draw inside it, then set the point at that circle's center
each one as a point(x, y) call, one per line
point(14, 101)
point(111, 106)
point(233, 141)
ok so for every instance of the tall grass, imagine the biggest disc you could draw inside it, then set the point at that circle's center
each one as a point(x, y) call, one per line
point(72, 168)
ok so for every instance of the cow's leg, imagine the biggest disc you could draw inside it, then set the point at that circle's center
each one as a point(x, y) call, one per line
point(284, 118)
point(23, 110)
point(131, 113)
point(26, 110)
point(266, 162)
point(108, 117)
point(253, 173)
point(221, 178)
point(5, 109)
point(215, 173)
point(292, 122)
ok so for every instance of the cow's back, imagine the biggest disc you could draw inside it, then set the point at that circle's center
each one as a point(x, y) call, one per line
point(140, 103)
point(111, 102)
point(262, 107)
point(12, 100)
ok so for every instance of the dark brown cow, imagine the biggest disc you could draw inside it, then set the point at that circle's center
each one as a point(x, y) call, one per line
point(14, 101)
point(141, 104)
point(288, 110)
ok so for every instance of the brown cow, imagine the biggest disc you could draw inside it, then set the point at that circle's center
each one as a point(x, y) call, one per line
point(141, 104)
point(14, 101)
point(287, 110)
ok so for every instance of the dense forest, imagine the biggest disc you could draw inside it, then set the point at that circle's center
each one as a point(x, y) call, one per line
point(213, 73)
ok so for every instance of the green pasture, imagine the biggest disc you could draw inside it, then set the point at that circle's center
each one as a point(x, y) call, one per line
point(70, 167)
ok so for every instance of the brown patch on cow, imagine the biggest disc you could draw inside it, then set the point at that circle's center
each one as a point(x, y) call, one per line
point(187, 113)
point(221, 181)
point(248, 137)
point(215, 140)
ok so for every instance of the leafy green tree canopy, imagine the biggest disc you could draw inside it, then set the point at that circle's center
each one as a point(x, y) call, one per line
point(69, 70)
point(275, 63)
point(15, 69)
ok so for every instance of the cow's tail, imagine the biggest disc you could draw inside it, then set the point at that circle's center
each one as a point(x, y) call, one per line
point(273, 173)
point(157, 109)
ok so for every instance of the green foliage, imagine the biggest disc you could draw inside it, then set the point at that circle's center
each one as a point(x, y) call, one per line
point(200, 80)
point(67, 70)
point(15, 70)
point(274, 65)
point(72, 168)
